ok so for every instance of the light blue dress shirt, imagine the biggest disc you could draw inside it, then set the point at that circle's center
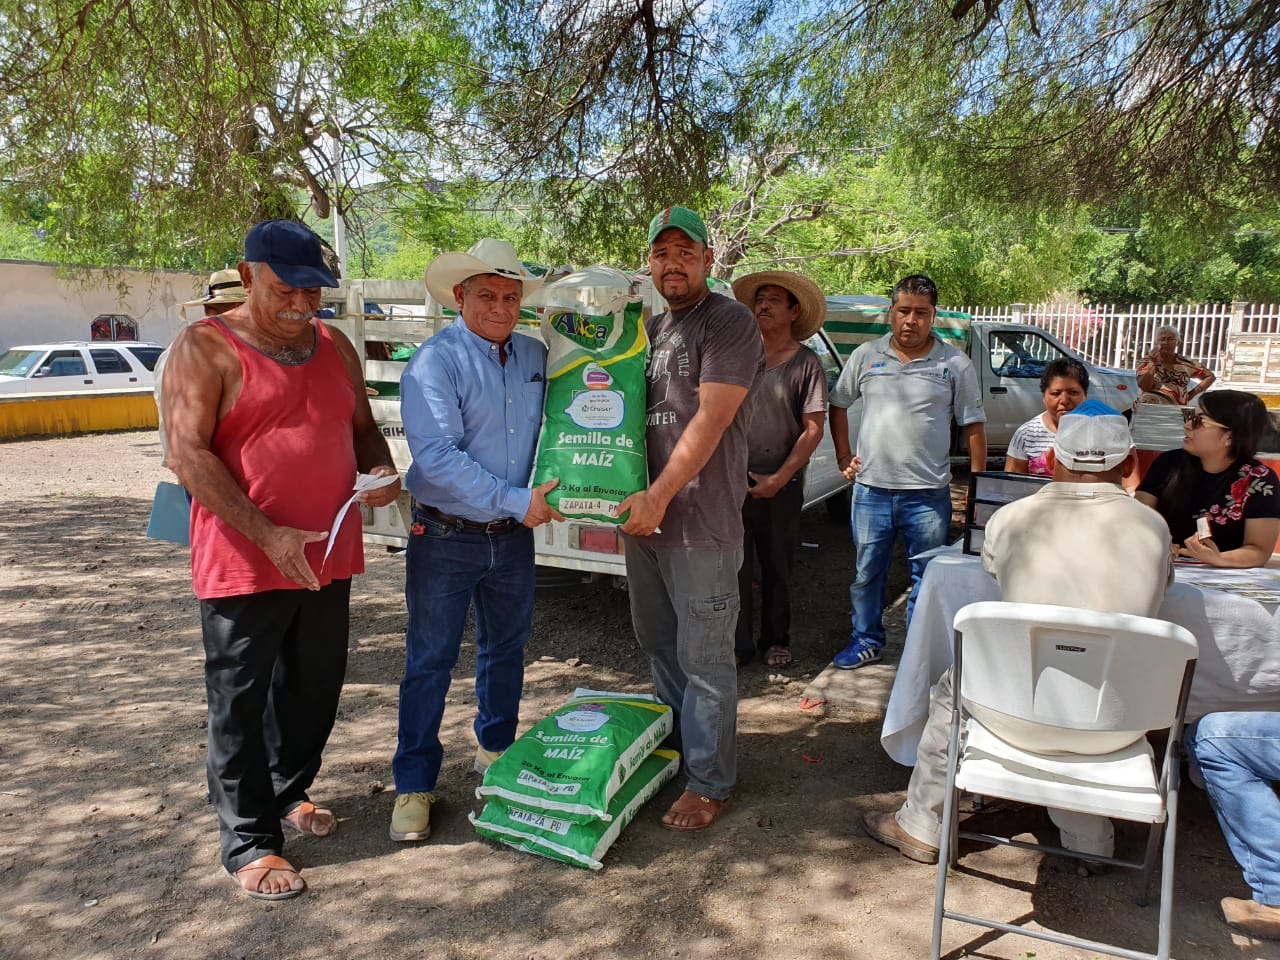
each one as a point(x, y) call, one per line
point(472, 423)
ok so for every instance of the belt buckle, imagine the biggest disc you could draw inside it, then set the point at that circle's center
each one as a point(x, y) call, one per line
point(497, 526)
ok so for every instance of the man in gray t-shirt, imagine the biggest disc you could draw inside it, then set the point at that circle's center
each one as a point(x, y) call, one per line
point(684, 533)
point(788, 408)
point(912, 385)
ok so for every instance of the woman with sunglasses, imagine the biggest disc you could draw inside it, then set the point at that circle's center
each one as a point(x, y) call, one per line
point(1214, 484)
point(1065, 385)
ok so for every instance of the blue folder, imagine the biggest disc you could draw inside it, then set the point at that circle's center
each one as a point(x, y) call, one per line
point(171, 514)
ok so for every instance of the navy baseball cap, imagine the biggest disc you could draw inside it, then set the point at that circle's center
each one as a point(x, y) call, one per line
point(292, 251)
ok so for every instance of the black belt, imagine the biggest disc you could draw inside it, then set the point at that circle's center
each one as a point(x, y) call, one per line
point(492, 526)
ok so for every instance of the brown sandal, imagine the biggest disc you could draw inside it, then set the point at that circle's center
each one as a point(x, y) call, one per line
point(309, 819)
point(698, 811)
point(777, 656)
point(249, 878)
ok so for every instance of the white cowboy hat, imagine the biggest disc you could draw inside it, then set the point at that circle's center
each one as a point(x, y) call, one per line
point(487, 256)
point(813, 305)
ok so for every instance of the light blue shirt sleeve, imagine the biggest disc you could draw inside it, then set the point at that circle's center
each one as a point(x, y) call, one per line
point(472, 425)
point(847, 389)
point(967, 401)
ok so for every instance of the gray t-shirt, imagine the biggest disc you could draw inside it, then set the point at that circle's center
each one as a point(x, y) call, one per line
point(904, 440)
point(780, 400)
point(716, 341)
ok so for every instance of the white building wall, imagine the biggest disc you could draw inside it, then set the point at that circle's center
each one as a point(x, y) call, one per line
point(37, 304)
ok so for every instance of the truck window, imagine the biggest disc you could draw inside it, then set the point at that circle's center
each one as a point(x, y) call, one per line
point(62, 363)
point(109, 361)
point(1020, 353)
point(830, 362)
point(147, 356)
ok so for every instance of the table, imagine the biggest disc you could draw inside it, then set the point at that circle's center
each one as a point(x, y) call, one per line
point(1234, 615)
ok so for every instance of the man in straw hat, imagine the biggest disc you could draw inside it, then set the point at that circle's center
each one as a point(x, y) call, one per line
point(471, 401)
point(1125, 567)
point(788, 409)
point(912, 387)
point(684, 543)
point(268, 425)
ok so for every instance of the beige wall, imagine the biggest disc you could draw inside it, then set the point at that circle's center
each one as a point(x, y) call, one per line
point(37, 304)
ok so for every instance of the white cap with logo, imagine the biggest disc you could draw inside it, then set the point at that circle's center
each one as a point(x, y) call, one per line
point(1092, 438)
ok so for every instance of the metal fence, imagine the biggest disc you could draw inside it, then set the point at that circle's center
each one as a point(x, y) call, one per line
point(1118, 336)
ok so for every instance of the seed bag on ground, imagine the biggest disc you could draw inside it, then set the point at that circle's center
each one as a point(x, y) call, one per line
point(593, 428)
point(574, 762)
point(581, 844)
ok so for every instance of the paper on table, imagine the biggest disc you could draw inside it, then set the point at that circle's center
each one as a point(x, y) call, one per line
point(364, 482)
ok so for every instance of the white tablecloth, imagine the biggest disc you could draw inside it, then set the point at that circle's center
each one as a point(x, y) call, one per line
point(1238, 669)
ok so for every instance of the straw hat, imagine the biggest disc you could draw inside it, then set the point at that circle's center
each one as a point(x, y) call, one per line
point(487, 256)
point(813, 305)
point(223, 287)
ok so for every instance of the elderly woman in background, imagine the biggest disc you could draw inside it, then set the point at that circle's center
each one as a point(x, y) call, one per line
point(1065, 385)
point(1222, 505)
point(1165, 377)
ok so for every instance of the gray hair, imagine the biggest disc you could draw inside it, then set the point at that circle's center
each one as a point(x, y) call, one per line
point(1168, 328)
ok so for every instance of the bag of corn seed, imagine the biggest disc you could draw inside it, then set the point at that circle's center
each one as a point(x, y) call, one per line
point(575, 761)
point(581, 844)
point(593, 426)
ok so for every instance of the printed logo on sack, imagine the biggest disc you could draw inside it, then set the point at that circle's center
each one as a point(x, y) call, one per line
point(586, 718)
point(591, 332)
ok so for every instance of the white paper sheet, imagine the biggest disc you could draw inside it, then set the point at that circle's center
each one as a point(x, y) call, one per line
point(364, 482)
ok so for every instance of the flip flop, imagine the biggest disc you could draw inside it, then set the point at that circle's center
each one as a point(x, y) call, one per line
point(707, 809)
point(778, 657)
point(303, 818)
point(264, 866)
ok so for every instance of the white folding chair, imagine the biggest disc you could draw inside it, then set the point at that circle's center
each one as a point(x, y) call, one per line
point(1070, 695)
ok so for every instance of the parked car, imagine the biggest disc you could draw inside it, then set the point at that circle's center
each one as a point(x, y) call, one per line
point(79, 367)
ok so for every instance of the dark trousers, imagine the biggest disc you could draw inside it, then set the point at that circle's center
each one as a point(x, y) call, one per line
point(771, 533)
point(273, 671)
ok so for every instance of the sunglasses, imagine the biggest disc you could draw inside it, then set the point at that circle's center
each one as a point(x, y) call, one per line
point(1198, 420)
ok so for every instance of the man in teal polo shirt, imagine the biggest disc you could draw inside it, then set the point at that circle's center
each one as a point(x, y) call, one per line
point(912, 386)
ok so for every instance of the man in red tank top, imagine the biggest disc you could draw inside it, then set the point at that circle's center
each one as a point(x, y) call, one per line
point(267, 423)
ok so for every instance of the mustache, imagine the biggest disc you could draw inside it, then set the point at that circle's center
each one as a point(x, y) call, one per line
point(292, 315)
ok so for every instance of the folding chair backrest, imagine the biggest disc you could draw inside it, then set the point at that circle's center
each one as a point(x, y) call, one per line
point(1063, 680)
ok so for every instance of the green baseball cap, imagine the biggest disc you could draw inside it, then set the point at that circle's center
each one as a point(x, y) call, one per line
point(682, 219)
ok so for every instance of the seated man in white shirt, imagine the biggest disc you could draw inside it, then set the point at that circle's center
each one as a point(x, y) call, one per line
point(1080, 541)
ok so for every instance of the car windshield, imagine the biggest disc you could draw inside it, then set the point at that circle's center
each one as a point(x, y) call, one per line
point(18, 363)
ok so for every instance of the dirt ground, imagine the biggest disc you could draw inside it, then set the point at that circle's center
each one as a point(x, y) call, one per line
point(108, 847)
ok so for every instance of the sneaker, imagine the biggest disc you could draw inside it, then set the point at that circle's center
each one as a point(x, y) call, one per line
point(1258, 920)
point(885, 828)
point(411, 817)
point(485, 758)
point(857, 654)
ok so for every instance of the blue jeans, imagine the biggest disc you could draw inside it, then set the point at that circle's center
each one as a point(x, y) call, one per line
point(446, 570)
point(923, 517)
point(1239, 757)
point(684, 608)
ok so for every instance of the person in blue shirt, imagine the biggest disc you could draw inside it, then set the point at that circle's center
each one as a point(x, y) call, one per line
point(471, 403)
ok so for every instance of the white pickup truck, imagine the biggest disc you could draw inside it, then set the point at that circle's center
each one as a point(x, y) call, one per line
point(1009, 358)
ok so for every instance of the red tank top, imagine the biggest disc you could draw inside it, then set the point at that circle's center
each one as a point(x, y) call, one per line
point(288, 443)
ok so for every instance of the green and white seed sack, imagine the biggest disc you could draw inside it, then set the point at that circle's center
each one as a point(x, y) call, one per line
point(581, 844)
point(573, 763)
point(593, 430)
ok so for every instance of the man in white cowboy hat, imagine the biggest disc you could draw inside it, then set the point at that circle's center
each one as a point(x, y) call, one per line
point(684, 543)
point(471, 402)
point(223, 291)
point(788, 410)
